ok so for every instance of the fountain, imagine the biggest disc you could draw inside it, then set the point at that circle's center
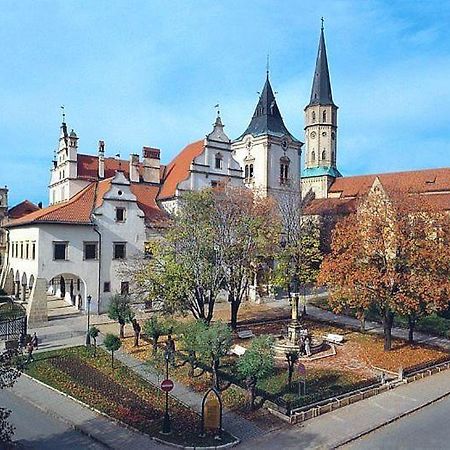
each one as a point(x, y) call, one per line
point(298, 338)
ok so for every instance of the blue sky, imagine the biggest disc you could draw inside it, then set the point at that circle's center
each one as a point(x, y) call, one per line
point(140, 73)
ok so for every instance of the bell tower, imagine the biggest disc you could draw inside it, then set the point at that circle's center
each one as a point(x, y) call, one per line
point(320, 130)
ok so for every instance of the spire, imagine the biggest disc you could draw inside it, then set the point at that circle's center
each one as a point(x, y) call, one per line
point(217, 134)
point(267, 117)
point(63, 134)
point(321, 87)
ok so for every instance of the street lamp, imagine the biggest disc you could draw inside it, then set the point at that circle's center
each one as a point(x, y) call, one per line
point(88, 336)
point(166, 427)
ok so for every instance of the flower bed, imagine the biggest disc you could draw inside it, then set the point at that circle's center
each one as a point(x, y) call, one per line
point(120, 393)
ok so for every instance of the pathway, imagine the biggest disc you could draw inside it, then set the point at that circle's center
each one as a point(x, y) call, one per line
point(238, 426)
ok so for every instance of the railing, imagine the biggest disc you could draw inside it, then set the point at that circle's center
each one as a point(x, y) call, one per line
point(11, 329)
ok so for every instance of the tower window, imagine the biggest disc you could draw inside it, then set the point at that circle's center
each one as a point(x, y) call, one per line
point(313, 117)
point(313, 156)
point(251, 171)
point(248, 171)
point(323, 155)
point(324, 116)
point(219, 161)
point(284, 170)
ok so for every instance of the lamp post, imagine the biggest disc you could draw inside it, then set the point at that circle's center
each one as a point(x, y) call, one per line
point(283, 244)
point(166, 427)
point(88, 336)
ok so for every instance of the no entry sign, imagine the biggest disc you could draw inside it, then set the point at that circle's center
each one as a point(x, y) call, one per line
point(167, 385)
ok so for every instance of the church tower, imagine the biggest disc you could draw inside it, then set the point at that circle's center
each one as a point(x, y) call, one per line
point(268, 153)
point(320, 130)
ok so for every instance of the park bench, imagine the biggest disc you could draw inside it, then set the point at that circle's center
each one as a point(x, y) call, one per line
point(334, 338)
point(238, 350)
point(245, 334)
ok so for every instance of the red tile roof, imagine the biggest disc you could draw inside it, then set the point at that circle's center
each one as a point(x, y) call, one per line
point(22, 209)
point(146, 199)
point(330, 206)
point(178, 169)
point(417, 181)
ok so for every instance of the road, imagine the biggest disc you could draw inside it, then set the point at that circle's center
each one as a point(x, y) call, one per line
point(38, 431)
point(428, 429)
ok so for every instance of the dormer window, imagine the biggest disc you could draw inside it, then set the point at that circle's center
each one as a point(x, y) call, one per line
point(120, 214)
point(219, 161)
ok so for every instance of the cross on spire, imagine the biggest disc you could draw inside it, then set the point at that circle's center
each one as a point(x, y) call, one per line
point(63, 114)
point(322, 20)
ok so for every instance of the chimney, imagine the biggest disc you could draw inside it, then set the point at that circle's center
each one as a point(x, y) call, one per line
point(151, 165)
point(134, 168)
point(101, 159)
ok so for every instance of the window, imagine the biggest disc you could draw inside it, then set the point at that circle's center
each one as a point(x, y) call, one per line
point(27, 250)
point(248, 172)
point(120, 214)
point(251, 171)
point(324, 116)
point(313, 117)
point(313, 156)
point(284, 170)
point(119, 250)
point(106, 286)
point(124, 288)
point(90, 250)
point(17, 249)
point(59, 250)
point(323, 155)
point(219, 161)
point(21, 250)
point(33, 250)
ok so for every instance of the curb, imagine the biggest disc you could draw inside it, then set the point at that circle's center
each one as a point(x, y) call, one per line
point(387, 422)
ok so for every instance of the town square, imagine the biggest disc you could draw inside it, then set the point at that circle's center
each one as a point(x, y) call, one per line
point(225, 224)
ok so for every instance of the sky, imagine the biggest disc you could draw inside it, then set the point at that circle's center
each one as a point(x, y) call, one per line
point(148, 73)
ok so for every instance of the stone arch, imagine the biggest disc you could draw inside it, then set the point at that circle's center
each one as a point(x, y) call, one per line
point(69, 287)
point(31, 282)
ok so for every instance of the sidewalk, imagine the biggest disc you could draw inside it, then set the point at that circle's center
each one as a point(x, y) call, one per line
point(233, 423)
point(96, 426)
point(337, 428)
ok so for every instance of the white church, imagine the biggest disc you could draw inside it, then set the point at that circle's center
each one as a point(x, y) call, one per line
point(102, 210)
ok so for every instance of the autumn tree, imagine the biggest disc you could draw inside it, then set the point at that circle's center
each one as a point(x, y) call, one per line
point(190, 334)
point(391, 255)
point(256, 363)
point(246, 230)
point(112, 343)
point(155, 328)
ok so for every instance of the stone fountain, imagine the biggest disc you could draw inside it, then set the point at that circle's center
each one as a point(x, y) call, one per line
point(298, 338)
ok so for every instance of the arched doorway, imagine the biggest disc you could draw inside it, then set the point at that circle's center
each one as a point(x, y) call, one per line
point(69, 287)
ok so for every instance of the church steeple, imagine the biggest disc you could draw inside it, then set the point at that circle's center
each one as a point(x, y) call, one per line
point(321, 87)
point(267, 118)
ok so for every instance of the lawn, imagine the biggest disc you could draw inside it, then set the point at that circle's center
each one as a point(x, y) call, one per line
point(355, 365)
point(118, 392)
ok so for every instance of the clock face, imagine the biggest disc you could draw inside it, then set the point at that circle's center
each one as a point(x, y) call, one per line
point(284, 144)
point(313, 135)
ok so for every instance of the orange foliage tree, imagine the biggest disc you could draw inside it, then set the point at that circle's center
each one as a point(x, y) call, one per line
point(392, 255)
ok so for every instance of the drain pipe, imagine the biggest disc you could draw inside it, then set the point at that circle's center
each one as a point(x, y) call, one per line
point(99, 267)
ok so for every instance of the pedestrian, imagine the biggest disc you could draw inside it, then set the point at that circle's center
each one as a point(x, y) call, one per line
point(170, 349)
point(34, 340)
point(30, 349)
point(137, 332)
point(308, 346)
point(21, 340)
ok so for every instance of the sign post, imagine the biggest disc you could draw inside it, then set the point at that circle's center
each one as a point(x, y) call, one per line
point(166, 386)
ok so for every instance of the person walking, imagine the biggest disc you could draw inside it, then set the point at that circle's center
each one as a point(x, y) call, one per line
point(30, 349)
point(34, 340)
point(137, 332)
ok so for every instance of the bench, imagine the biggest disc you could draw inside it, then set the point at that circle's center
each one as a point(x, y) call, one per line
point(245, 334)
point(334, 338)
point(237, 350)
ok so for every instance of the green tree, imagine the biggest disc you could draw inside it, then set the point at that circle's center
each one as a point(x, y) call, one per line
point(112, 343)
point(213, 344)
point(93, 333)
point(184, 270)
point(155, 328)
point(256, 363)
point(120, 310)
point(190, 333)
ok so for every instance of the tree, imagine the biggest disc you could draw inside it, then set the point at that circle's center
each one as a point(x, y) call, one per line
point(8, 376)
point(190, 333)
point(112, 343)
point(256, 363)
point(246, 231)
point(392, 255)
point(155, 328)
point(120, 310)
point(184, 270)
point(93, 333)
point(213, 344)
point(299, 256)
point(291, 359)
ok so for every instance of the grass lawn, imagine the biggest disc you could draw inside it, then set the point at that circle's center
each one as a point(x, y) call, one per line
point(118, 392)
point(355, 365)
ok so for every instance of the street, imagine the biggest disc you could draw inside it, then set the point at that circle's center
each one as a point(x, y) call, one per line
point(425, 429)
point(37, 430)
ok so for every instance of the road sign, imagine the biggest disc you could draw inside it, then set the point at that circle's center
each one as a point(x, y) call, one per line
point(167, 385)
point(301, 369)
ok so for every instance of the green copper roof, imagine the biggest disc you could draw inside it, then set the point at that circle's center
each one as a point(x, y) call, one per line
point(320, 171)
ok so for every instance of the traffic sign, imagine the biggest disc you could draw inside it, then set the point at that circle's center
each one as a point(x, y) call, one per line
point(167, 385)
point(301, 369)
